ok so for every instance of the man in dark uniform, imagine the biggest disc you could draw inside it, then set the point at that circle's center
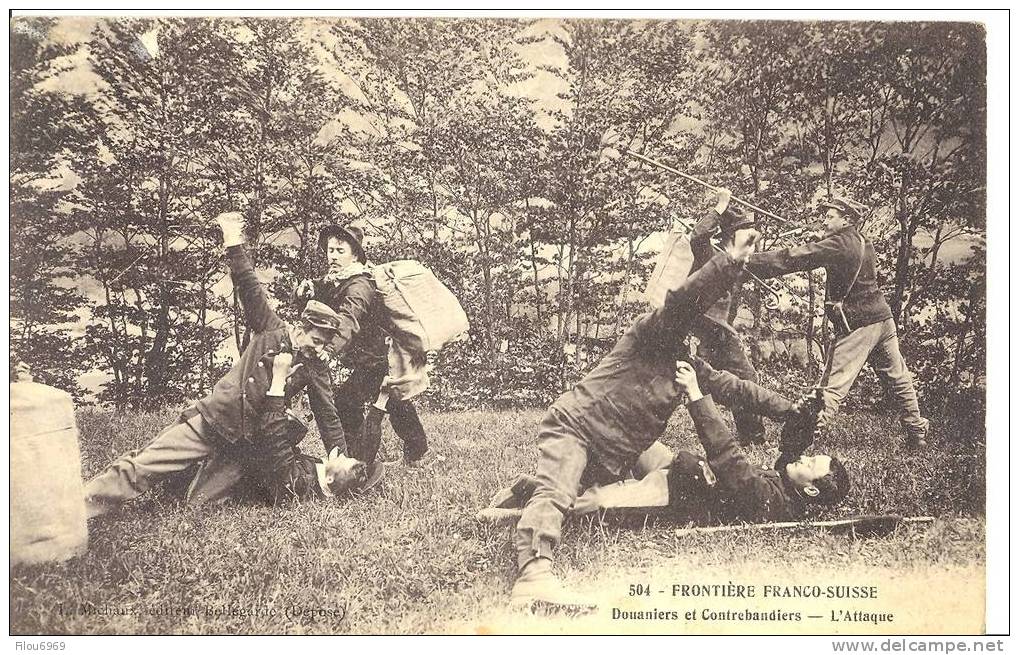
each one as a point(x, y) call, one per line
point(224, 427)
point(598, 430)
point(858, 312)
point(722, 485)
point(720, 344)
point(348, 289)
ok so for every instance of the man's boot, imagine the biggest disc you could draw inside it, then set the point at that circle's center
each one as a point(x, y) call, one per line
point(916, 436)
point(537, 585)
point(516, 495)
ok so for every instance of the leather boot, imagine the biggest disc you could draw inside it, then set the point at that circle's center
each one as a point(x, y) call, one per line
point(536, 584)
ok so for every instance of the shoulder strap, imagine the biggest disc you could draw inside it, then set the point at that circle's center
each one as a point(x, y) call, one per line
point(852, 283)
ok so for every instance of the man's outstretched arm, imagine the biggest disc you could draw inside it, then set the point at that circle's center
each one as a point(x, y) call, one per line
point(323, 407)
point(734, 391)
point(258, 315)
point(806, 257)
point(736, 476)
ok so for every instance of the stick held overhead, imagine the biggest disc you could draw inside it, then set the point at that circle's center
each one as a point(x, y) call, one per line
point(687, 176)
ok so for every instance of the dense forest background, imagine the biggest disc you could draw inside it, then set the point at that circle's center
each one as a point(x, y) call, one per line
point(476, 146)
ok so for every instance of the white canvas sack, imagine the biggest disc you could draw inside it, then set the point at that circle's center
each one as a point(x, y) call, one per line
point(47, 494)
point(671, 268)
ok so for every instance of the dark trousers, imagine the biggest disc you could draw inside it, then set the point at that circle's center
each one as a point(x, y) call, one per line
point(365, 437)
point(724, 350)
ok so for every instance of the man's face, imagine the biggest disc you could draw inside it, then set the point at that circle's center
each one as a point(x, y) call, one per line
point(312, 341)
point(343, 474)
point(804, 471)
point(834, 221)
point(339, 254)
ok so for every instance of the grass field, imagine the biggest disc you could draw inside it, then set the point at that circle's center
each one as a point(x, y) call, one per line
point(412, 558)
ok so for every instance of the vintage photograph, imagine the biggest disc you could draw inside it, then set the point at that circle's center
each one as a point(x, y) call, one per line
point(357, 325)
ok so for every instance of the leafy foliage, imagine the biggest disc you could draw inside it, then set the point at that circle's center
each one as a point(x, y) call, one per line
point(492, 151)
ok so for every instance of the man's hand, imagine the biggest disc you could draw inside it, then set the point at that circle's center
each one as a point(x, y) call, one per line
point(305, 290)
point(800, 427)
point(743, 245)
point(686, 378)
point(722, 198)
point(281, 370)
point(587, 502)
point(232, 226)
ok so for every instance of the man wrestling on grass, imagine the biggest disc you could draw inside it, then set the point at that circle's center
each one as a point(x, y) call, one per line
point(595, 433)
point(722, 485)
point(232, 428)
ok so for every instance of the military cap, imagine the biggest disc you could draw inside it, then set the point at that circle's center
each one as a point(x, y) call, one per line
point(321, 315)
point(849, 209)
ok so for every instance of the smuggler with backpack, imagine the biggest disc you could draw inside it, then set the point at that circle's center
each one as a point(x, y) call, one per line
point(685, 251)
point(404, 314)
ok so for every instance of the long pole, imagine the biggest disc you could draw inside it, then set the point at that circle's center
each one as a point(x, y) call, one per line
point(879, 521)
point(687, 176)
point(772, 290)
point(767, 287)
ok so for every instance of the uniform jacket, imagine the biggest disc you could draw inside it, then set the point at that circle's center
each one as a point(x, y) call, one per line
point(276, 462)
point(361, 341)
point(623, 405)
point(840, 254)
point(757, 495)
point(235, 405)
point(703, 251)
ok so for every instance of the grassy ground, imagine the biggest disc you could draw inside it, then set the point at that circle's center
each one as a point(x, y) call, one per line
point(412, 559)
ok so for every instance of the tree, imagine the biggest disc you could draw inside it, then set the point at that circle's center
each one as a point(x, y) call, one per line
point(46, 126)
point(163, 100)
point(927, 159)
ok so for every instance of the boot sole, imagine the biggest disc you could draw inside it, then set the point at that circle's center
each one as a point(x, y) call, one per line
point(550, 607)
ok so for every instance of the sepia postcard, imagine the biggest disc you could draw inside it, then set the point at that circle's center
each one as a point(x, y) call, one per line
point(506, 323)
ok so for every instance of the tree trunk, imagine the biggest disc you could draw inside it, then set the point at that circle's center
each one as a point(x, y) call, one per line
point(237, 321)
point(537, 287)
point(624, 288)
point(203, 322)
point(812, 304)
point(960, 341)
point(901, 271)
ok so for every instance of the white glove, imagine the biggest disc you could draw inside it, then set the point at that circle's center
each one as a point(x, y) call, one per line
point(232, 226)
point(722, 200)
point(305, 290)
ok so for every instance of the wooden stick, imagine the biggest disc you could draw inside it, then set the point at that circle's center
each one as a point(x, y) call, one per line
point(859, 520)
point(687, 176)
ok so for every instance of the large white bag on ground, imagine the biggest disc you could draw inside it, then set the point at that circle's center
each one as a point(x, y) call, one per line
point(671, 268)
point(47, 495)
point(423, 314)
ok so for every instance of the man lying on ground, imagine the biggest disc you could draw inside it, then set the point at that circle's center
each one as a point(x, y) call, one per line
point(279, 468)
point(225, 429)
point(722, 485)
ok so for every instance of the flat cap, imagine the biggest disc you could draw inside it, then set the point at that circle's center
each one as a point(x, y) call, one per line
point(321, 315)
point(848, 208)
point(735, 218)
